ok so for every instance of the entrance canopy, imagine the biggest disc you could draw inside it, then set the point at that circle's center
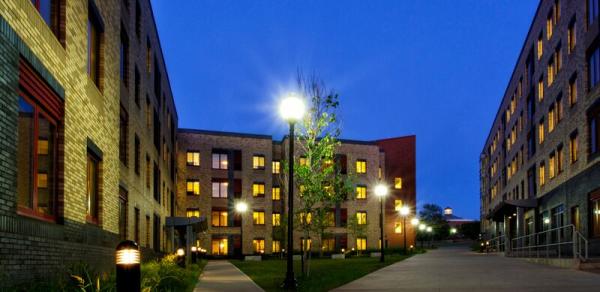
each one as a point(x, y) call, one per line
point(509, 207)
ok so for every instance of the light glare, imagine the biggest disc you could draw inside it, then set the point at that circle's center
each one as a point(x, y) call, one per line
point(292, 108)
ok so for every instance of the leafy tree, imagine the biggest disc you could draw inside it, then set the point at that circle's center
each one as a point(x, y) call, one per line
point(470, 230)
point(355, 229)
point(432, 215)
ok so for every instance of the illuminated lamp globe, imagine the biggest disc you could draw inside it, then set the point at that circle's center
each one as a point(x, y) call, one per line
point(381, 190)
point(292, 108)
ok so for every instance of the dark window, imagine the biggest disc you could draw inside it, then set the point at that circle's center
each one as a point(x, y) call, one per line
point(124, 57)
point(593, 66)
point(137, 150)
point(136, 226)
point(237, 160)
point(156, 132)
point(343, 217)
point(123, 129)
point(50, 10)
point(148, 171)
point(122, 214)
point(92, 188)
point(40, 111)
point(237, 188)
point(341, 162)
point(156, 233)
point(148, 55)
point(571, 36)
point(157, 81)
point(94, 40)
point(156, 184)
point(592, 10)
point(136, 86)
point(138, 19)
point(594, 126)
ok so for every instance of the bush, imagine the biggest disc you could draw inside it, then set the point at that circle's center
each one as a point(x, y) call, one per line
point(166, 275)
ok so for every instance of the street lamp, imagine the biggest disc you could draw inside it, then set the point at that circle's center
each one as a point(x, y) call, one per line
point(430, 230)
point(404, 211)
point(241, 208)
point(381, 191)
point(128, 266)
point(181, 257)
point(194, 254)
point(422, 228)
point(292, 110)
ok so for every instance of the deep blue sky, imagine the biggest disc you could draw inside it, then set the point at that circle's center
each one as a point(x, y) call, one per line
point(436, 69)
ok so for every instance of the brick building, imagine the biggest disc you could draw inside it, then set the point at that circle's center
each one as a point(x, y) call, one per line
point(540, 166)
point(216, 169)
point(88, 133)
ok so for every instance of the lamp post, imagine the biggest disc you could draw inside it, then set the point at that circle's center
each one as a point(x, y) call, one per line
point(241, 208)
point(181, 257)
point(128, 266)
point(194, 254)
point(381, 191)
point(404, 211)
point(422, 228)
point(430, 230)
point(414, 222)
point(292, 110)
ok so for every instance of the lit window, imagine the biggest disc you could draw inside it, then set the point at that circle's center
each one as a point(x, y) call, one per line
point(573, 147)
point(305, 218)
point(124, 57)
point(328, 244)
point(379, 173)
point(550, 69)
point(559, 160)
point(276, 166)
point(398, 205)
point(551, 166)
point(219, 161)
point(259, 245)
point(192, 213)
point(571, 36)
point(361, 192)
point(540, 47)
point(303, 161)
point(549, 26)
point(330, 219)
point(542, 174)
point(551, 119)
point(193, 158)
point(219, 246)
point(258, 189)
point(541, 134)
point(361, 218)
point(306, 243)
point(361, 243)
point(541, 89)
point(397, 227)
point(258, 162)
point(398, 183)
point(573, 90)
point(361, 166)
point(219, 218)
point(276, 246)
point(219, 188)
point(276, 219)
point(93, 189)
point(258, 217)
point(193, 187)
point(276, 193)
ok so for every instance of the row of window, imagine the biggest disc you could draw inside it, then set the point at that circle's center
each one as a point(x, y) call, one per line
point(220, 246)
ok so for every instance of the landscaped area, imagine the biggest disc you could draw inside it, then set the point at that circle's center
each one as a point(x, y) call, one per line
point(325, 274)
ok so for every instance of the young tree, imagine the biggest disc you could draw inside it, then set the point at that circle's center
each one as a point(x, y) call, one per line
point(432, 215)
point(316, 176)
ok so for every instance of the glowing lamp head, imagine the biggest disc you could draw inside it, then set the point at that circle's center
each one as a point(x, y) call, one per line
point(292, 108)
point(429, 229)
point(381, 190)
point(422, 227)
point(453, 230)
point(241, 207)
point(546, 220)
point(343, 250)
point(128, 253)
point(194, 249)
point(180, 252)
point(404, 211)
point(414, 221)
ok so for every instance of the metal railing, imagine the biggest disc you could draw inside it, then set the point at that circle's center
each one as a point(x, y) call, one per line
point(564, 241)
point(496, 244)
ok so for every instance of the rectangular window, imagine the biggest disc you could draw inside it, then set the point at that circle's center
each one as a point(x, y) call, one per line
point(193, 187)
point(551, 118)
point(148, 56)
point(276, 219)
point(542, 174)
point(593, 66)
point(192, 212)
point(148, 171)
point(136, 86)
point(94, 35)
point(361, 192)
point(361, 243)
point(397, 183)
point(594, 126)
point(305, 218)
point(92, 188)
point(330, 219)
point(258, 245)
point(552, 165)
point(573, 145)
point(276, 164)
point(398, 205)
point(541, 89)
point(305, 244)
point(219, 246)
point(219, 188)
point(136, 226)
point(549, 25)
point(122, 214)
point(540, 46)
point(123, 129)
point(397, 227)
point(361, 217)
point(193, 158)
point(138, 19)
point(137, 153)
point(147, 231)
point(219, 161)
point(258, 189)
point(276, 193)
point(551, 72)
point(573, 90)
point(592, 10)
point(559, 159)
point(276, 246)
point(328, 244)
point(124, 57)
point(361, 166)
point(149, 111)
point(258, 217)
point(571, 36)
point(219, 218)
point(50, 12)
point(594, 204)
point(303, 161)
point(541, 132)
point(258, 162)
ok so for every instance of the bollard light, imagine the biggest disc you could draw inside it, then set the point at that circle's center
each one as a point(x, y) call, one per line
point(128, 266)
point(181, 257)
point(194, 254)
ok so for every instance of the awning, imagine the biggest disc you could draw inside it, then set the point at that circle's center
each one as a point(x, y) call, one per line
point(509, 207)
point(198, 224)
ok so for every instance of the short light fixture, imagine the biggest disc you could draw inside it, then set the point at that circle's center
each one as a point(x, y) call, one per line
point(546, 220)
point(414, 221)
point(128, 276)
point(422, 227)
point(429, 229)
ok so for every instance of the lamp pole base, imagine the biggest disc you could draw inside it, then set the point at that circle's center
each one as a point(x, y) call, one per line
point(289, 283)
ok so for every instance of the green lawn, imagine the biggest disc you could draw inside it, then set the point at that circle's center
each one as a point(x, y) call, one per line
point(325, 274)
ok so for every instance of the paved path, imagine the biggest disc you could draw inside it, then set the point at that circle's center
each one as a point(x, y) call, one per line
point(224, 276)
point(457, 269)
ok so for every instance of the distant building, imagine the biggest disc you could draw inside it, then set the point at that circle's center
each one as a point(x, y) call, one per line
point(453, 220)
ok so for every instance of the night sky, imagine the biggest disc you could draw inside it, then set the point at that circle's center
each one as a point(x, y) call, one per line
point(435, 69)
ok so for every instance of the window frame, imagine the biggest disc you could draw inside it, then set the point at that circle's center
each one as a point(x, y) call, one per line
point(360, 168)
point(258, 162)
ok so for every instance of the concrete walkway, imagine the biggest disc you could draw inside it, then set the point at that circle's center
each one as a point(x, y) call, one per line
point(224, 276)
point(458, 269)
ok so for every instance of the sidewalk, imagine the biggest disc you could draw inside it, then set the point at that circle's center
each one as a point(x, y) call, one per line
point(223, 276)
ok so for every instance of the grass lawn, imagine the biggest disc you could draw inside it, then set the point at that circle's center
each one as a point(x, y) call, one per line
point(325, 274)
